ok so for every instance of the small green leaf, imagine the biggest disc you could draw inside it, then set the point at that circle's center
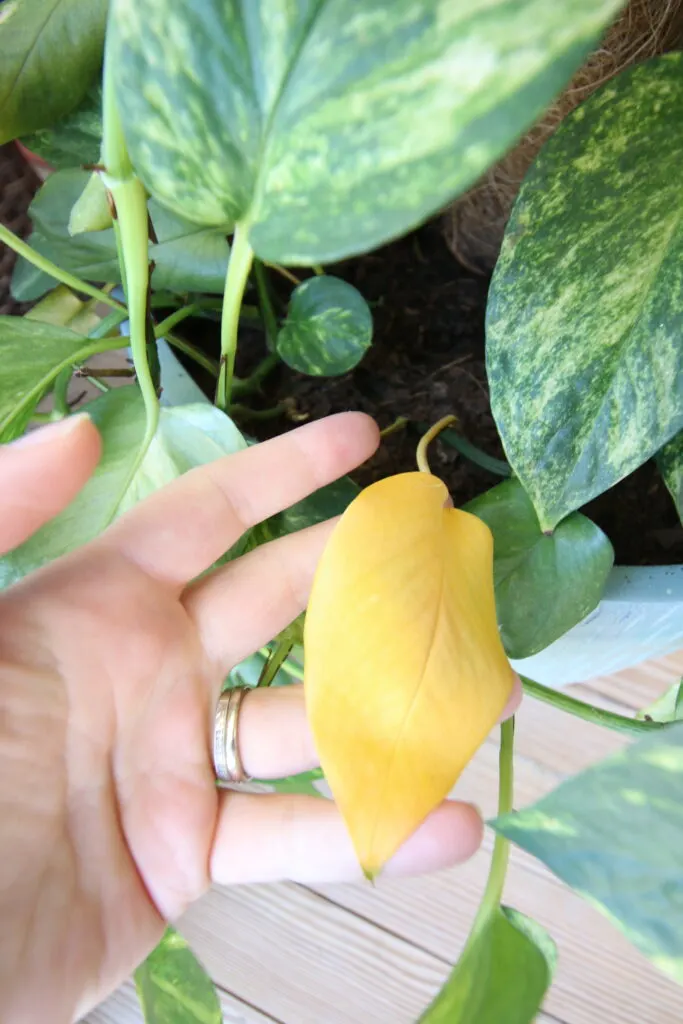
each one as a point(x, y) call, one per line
point(32, 353)
point(51, 52)
point(76, 139)
point(187, 436)
point(174, 988)
point(585, 309)
point(668, 708)
point(188, 257)
point(91, 211)
point(502, 976)
point(328, 328)
point(329, 126)
point(670, 463)
point(614, 833)
point(545, 583)
point(324, 504)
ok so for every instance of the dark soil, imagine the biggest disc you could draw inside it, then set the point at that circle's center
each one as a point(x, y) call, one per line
point(426, 361)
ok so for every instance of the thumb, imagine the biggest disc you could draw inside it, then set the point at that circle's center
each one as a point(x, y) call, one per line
point(41, 473)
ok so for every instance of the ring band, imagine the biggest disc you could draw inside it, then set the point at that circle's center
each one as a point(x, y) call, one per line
point(226, 755)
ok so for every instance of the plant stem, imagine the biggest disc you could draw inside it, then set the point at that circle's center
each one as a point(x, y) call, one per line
point(318, 270)
point(275, 659)
point(174, 319)
point(109, 323)
point(249, 384)
point(239, 265)
point(588, 712)
point(244, 413)
point(476, 455)
point(130, 200)
point(267, 311)
point(426, 440)
point(210, 365)
point(283, 272)
point(59, 394)
point(400, 423)
point(501, 847)
point(48, 267)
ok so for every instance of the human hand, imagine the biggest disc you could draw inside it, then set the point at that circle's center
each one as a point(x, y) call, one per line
point(111, 663)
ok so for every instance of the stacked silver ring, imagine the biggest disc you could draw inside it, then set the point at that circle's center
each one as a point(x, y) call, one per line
point(226, 755)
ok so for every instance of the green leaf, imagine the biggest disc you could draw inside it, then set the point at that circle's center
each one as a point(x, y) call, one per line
point(32, 353)
point(329, 501)
point(614, 833)
point(668, 708)
point(670, 464)
point(330, 126)
point(188, 258)
point(174, 988)
point(503, 974)
point(328, 328)
point(51, 52)
point(187, 436)
point(75, 140)
point(585, 309)
point(545, 583)
point(91, 211)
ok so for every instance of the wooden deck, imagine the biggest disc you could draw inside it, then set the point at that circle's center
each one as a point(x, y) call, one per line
point(351, 954)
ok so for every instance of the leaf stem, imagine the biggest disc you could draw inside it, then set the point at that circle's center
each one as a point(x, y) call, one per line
point(501, 847)
point(276, 657)
point(588, 712)
point(206, 362)
point(22, 248)
point(249, 384)
point(470, 451)
point(426, 440)
point(174, 319)
point(267, 311)
point(239, 265)
point(283, 272)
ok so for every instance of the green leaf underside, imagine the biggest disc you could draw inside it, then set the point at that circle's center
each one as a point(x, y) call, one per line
point(330, 126)
point(31, 355)
point(329, 501)
point(545, 584)
point(328, 328)
point(614, 834)
point(188, 257)
point(586, 305)
point(670, 464)
point(188, 436)
point(51, 51)
point(502, 976)
point(668, 708)
point(74, 140)
point(174, 988)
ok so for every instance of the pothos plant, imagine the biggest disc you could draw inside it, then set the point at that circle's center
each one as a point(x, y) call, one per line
point(223, 142)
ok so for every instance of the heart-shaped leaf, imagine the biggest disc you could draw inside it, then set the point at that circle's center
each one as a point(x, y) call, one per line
point(174, 988)
point(187, 436)
point(545, 583)
point(330, 126)
point(670, 463)
point(328, 328)
point(323, 504)
point(614, 833)
point(585, 309)
point(51, 52)
point(503, 974)
point(405, 673)
point(32, 353)
point(188, 257)
point(76, 139)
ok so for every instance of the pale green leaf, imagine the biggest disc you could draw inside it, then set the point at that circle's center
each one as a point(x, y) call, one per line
point(51, 52)
point(188, 257)
point(32, 353)
point(670, 463)
point(584, 356)
point(330, 126)
point(91, 211)
point(615, 833)
point(174, 988)
point(328, 328)
point(74, 140)
point(545, 583)
point(668, 707)
point(187, 436)
point(501, 978)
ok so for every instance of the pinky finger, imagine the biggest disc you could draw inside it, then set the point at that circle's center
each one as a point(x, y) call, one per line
point(303, 839)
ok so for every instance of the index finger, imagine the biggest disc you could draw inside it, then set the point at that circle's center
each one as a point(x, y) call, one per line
point(179, 532)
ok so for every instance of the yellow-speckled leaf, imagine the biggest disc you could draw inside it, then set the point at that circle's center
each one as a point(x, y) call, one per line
point(405, 671)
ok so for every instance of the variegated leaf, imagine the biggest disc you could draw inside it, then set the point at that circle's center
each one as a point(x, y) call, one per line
point(585, 313)
point(329, 126)
point(76, 139)
point(328, 328)
point(670, 462)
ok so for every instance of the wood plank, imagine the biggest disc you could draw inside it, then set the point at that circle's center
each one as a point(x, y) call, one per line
point(639, 686)
point(123, 1008)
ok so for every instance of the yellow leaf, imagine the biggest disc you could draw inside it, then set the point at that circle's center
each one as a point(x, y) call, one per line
point(405, 673)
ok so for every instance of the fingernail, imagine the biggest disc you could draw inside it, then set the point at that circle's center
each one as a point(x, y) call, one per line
point(52, 431)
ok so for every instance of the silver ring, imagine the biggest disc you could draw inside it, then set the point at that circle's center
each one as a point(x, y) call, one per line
point(226, 755)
